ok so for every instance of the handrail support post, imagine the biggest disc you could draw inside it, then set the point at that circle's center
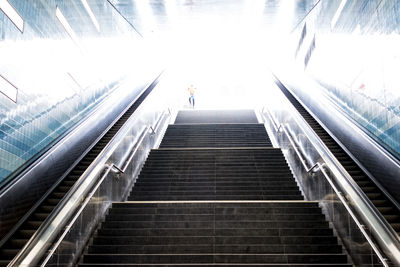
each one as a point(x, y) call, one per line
point(311, 169)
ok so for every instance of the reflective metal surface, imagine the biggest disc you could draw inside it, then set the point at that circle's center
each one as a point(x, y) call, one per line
point(27, 189)
point(365, 35)
point(61, 67)
point(60, 75)
point(348, 51)
point(108, 178)
point(67, 55)
point(373, 157)
point(316, 187)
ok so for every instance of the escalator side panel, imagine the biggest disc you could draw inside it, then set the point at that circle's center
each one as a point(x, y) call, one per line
point(388, 209)
point(19, 197)
point(379, 163)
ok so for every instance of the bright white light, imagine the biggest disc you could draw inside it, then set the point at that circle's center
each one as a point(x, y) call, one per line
point(170, 6)
point(91, 15)
point(8, 89)
point(12, 14)
point(284, 17)
point(76, 84)
point(253, 12)
point(224, 58)
point(66, 25)
point(146, 16)
point(44, 69)
point(338, 13)
point(365, 70)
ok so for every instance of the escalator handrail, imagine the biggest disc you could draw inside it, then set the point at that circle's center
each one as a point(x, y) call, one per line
point(320, 167)
point(44, 157)
point(337, 111)
point(108, 168)
point(379, 147)
point(33, 251)
point(38, 244)
point(382, 232)
point(68, 135)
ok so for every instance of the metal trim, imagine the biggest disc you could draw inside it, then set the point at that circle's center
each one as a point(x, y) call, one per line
point(32, 251)
point(383, 233)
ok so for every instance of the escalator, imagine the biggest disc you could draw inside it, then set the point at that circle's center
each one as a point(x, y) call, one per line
point(21, 234)
point(379, 199)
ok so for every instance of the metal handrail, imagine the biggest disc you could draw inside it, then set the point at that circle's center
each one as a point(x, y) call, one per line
point(136, 147)
point(32, 252)
point(132, 152)
point(29, 255)
point(92, 192)
point(327, 102)
point(340, 196)
point(302, 160)
point(354, 127)
point(127, 161)
point(277, 129)
point(362, 227)
point(382, 232)
point(299, 154)
point(157, 124)
point(271, 119)
point(59, 144)
point(76, 216)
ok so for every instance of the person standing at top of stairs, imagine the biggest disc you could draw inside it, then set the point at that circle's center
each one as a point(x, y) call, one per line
point(191, 91)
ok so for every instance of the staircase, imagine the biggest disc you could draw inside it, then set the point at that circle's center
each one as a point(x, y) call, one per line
point(215, 193)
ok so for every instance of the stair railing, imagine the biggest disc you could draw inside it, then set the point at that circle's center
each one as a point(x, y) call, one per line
point(132, 151)
point(350, 192)
point(320, 167)
point(58, 224)
point(88, 197)
point(108, 168)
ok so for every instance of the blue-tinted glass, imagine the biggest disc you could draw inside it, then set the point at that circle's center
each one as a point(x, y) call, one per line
point(357, 61)
point(45, 64)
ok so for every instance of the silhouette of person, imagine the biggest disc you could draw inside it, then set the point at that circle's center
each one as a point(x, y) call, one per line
point(191, 90)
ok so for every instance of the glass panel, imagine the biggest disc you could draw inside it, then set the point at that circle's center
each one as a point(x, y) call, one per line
point(356, 59)
point(59, 80)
